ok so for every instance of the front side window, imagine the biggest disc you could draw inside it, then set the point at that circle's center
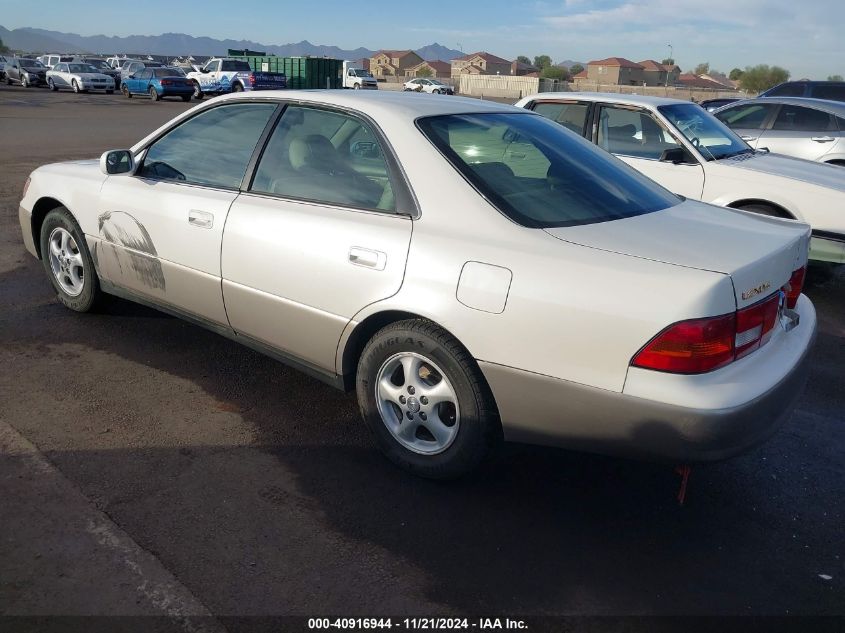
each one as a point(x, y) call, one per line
point(325, 156)
point(633, 133)
point(144, 74)
point(708, 134)
point(537, 174)
point(62, 68)
point(213, 67)
point(213, 148)
point(572, 116)
point(797, 119)
point(750, 116)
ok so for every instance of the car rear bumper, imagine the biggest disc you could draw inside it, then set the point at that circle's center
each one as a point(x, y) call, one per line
point(542, 410)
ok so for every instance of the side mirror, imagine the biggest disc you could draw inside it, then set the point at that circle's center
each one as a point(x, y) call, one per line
point(676, 156)
point(132, 76)
point(117, 161)
point(204, 71)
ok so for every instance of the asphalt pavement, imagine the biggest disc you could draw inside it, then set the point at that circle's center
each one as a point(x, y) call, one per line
point(148, 466)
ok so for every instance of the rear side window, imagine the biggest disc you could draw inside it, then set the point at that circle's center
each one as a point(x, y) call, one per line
point(213, 148)
point(750, 116)
point(572, 116)
point(537, 174)
point(229, 64)
point(787, 90)
point(831, 93)
point(325, 157)
point(797, 119)
point(632, 133)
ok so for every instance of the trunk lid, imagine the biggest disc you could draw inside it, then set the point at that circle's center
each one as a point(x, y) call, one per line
point(759, 253)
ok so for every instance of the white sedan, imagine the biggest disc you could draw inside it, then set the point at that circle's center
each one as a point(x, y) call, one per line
point(690, 152)
point(431, 86)
point(556, 297)
point(78, 77)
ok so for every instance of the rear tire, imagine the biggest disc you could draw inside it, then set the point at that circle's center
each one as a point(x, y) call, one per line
point(237, 87)
point(437, 440)
point(763, 209)
point(154, 96)
point(68, 262)
point(125, 91)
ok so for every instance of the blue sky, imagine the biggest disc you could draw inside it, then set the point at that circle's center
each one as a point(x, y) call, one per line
point(804, 36)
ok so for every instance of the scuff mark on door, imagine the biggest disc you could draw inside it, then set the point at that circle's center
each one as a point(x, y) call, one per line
point(118, 228)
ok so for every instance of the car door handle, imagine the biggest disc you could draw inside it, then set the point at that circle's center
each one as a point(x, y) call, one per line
point(367, 258)
point(822, 139)
point(202, 219)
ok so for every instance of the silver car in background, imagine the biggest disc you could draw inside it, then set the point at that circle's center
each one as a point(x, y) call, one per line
point(812, 129)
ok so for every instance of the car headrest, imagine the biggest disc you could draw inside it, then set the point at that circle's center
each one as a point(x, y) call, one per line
point(311, 151)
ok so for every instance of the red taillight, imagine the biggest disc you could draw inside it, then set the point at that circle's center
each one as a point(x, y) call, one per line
point(167, 82)
point(794, 286)
point(754, 325)
point(701, 345)
point(252, 80)
point(691, 347)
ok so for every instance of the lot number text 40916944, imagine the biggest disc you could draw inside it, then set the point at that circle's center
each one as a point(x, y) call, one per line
point(431, 624)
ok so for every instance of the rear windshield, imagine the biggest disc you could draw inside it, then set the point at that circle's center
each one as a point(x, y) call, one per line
point(229, 64)
point(538, 174)
point(168, 72)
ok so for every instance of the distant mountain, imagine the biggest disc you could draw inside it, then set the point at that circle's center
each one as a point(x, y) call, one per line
point(40, 40)
point(568, 63)
point(437, 51)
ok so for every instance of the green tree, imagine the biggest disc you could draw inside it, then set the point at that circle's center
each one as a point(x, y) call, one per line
point(522, 59)
point(3, 48)
point(835, 78)
point(576, 68)
point(669, 61)
point(762, 77)
point(541, 61)
point(555, 72)
point(702, 69)
point(736, 74)
point(425, 71)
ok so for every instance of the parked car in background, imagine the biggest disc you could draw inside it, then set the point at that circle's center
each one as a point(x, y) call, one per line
point(25, 71)
point(51, 59)
point(158, 83)
point(78, 77)
point(3, 61)
point(828, 90)
point(574, 303)
point(812, 129)
point(221, 75)
point(117, 61)
point(690, 152)
point(101, 66)
point(131, 67)
point(714, 104)
point(431, 86)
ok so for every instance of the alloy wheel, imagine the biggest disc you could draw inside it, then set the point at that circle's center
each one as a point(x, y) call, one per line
point(66, 262)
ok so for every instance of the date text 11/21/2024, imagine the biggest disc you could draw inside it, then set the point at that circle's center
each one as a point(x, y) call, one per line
point(431, 624)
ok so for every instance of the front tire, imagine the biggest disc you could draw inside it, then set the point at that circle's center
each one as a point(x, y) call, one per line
point(68, 262)
point(24, 82)
point(109, 92)
point(425, 399)
point(357, 86)
point(51, 85)
point(75, 87)
point(125, 90)
point(198, 94)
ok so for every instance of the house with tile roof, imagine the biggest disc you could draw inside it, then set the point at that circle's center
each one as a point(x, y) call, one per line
point(393, 63)
point(657, 74)
point(615, 70)
point(520, 69)
point(481, 63)
point(431, 68)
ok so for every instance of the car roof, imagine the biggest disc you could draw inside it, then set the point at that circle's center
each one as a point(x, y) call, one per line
point(831, 107)
point(609, 97)
point(380, 103)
